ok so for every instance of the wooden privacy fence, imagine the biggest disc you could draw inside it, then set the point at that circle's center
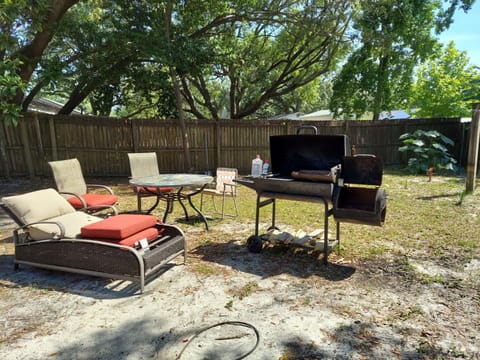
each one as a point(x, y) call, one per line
point(101, 144)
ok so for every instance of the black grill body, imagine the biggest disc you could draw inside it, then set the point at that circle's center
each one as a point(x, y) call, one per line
point(321, 169)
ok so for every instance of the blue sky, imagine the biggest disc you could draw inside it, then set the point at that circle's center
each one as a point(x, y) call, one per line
point(465, 32)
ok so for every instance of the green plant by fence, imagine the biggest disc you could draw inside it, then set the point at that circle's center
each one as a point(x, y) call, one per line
point(102, 144)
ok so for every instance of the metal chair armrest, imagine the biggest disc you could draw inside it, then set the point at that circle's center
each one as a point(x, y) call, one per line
point(82, 201)
point(25, 228)
point(102, 207)
point(104, 187)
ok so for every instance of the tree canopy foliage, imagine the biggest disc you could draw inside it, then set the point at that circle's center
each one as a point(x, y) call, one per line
point(213, 59)
point(26, 31)
point(441, 84)
point(393, 37)
point(240, 56)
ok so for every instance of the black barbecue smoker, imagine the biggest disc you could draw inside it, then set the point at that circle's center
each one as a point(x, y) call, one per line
point(320, 168)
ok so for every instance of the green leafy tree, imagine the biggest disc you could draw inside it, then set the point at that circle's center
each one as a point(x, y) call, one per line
point(247, 58)
point(441, 85)
point(472, 90)
point(390, 38)
point(306, 99)
point(10, 84)
point(26, 30)
point(269, 53)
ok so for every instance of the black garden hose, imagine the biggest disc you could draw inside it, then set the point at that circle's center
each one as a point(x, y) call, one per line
point(237, 323)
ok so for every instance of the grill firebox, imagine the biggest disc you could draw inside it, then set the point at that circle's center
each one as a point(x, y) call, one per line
point(357, 197)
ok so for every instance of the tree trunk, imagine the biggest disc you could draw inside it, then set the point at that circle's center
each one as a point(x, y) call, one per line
point(378, 102)
point(181, 120)
point(187, 164)
point(32, 53)
point(3, 151)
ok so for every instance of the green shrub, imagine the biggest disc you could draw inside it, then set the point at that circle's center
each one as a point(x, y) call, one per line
point(427, 149)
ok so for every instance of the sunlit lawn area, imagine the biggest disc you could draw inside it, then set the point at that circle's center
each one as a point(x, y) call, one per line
point(425, 220)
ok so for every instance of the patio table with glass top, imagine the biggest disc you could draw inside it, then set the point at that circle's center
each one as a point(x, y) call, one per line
point(185, 187)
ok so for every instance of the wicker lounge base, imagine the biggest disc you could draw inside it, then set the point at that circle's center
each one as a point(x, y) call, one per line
point(100, 258)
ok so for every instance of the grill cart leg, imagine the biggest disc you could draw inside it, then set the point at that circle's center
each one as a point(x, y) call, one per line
point(257, 214)
point(326, 244)
point(338, 234)
point(273, 216)
point(254, 242)
point(325, 233)
point(261, 204)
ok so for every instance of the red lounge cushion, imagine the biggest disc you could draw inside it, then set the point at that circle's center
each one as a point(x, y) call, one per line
point(118, 227)
point(132, 241)
point(93, 200)
point(154, 190)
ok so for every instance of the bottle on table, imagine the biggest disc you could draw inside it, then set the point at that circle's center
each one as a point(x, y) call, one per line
point(266, 166)
point(257, 166)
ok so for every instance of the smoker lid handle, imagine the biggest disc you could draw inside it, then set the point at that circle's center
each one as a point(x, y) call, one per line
point(311, 127)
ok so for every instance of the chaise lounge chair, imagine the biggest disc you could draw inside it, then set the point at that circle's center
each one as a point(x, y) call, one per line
point(53, 235)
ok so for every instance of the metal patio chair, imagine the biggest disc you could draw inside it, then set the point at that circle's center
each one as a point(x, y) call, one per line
point(71, 185)
point(145, 164)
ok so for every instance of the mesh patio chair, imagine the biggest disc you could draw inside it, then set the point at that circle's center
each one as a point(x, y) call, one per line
point(225, 186)
point(145, 164)
point(71, 184)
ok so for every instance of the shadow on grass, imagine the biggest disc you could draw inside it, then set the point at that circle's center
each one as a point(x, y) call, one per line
point(150, 338)
point(441, 196)
point(272, 261)
point(141, 339)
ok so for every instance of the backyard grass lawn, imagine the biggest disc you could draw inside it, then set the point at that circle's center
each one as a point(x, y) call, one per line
point(425, 220)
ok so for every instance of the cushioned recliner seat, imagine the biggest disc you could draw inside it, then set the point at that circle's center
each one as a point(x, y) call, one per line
point(48, 214)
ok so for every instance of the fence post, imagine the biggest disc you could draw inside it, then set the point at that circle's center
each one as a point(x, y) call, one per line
point(38, 134)
point(3, 148)
point(53, 138)
point(26, 148)
point(473, 149)
point(218, 149)
point(135, 134)
point(346, 127)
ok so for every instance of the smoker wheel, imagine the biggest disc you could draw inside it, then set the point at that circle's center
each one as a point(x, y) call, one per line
point(254, 244)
